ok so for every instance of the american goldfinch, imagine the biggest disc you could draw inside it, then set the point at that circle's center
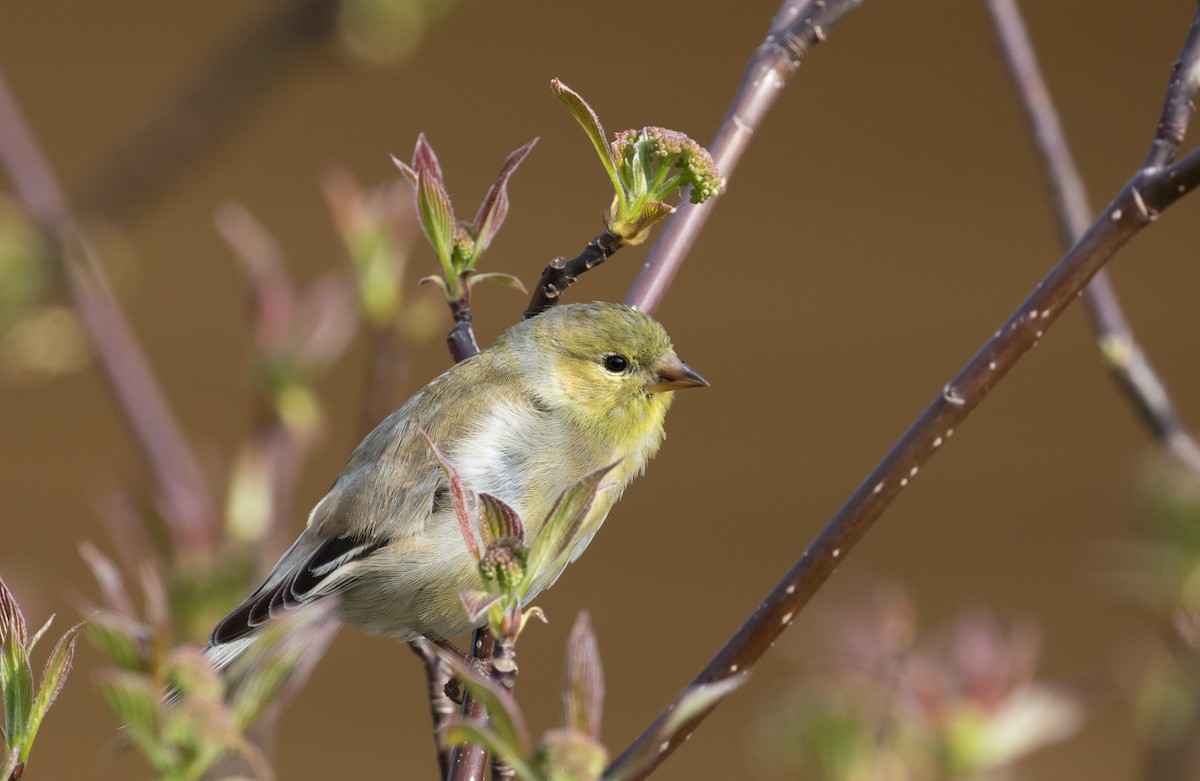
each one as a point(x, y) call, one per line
point(557, 397)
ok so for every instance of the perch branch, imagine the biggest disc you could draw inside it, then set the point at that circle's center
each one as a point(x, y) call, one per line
point(1127, 362)
point(1147, 193)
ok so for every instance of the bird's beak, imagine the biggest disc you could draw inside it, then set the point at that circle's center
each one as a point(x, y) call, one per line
point(673, 374)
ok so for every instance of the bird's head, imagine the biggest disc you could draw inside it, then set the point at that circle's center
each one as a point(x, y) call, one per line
point(611, 366)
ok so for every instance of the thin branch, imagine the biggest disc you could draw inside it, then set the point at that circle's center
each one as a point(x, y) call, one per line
point(1177, 105)
point(1125, 358)
point(467, 763)
point(561, 273)
point(797, 27)
point(1140, 201)
point(189, 506)
point(441, 709)
point(461, 339)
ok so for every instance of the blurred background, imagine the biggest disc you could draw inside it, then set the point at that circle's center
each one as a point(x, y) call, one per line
point(886, 218)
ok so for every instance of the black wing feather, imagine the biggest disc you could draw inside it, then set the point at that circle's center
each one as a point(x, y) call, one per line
point(293, 590)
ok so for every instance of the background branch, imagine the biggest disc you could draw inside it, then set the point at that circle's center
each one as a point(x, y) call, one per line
point(1126, 360)
point(188, 504)
point(1141, 200)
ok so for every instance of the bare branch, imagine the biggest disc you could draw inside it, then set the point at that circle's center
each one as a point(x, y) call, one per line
point(797, 27)
point(467, 763)
point(1139, 202)
point(1125, 358)
point(561, 273)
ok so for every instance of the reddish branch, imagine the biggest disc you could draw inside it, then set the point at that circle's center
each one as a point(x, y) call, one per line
point(1129, 365)
point(1151, 189)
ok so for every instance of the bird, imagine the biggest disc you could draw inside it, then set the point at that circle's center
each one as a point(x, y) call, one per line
point(558, 396)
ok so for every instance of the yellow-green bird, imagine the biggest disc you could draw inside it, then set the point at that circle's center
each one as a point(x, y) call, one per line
point(557, 397)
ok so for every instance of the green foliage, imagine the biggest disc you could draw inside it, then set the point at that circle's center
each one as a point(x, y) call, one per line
point(457, 244)
point(25, 705)
point(645, 166)
point(887, 705)
point(176, 709)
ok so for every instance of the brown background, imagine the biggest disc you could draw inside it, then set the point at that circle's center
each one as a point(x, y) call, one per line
point(886, 219)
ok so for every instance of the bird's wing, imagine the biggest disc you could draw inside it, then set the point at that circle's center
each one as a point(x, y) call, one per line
point(389, 489)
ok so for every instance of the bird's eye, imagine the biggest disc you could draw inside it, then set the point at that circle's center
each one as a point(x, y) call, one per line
point(616, 363)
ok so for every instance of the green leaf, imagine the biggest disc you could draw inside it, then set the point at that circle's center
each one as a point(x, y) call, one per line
point(494, 208)
point(116, 639)
point(16, 681)
point(458, 497)
point(460, 732)
point(506, 718)
point(437, 218)
point(563, 522)
point(590, 123)
point(53, 678)
point(583, 680)
point(131, 698)
point(33, 641)
point(508, 280)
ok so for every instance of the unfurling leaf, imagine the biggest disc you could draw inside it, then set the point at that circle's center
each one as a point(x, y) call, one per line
point(53, 678)
point(458, 498)
point(498, 520)
point(494, 208)
point(508, 280)
point(561, 525)
point(437, 218)
point(590, 123)
point(583, 680)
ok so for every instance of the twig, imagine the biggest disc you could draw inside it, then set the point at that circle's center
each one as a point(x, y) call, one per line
point(461, 339)
point(189, 506)
point(797, 27)
point(441, 709)
point(467, 763)
point(561, 273)
point(1126, 360)
point(1148, 192)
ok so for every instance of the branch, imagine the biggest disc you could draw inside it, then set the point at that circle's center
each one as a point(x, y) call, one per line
point(467, 763)
point(180, 485)
point(1125, 358)
point(797, 27)
point(1148, 192)
point(561, 273)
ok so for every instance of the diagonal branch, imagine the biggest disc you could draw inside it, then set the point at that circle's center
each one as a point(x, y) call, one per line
point(1125, 358)
point(798, 26)
point(561, 273)
point(1147, 193)
point(189, 505)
